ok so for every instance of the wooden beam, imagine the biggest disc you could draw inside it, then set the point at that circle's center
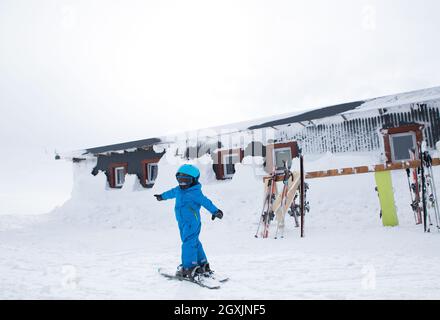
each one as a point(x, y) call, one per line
point(366, 169)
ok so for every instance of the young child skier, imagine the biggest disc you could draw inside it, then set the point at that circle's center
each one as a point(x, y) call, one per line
point(189, 199)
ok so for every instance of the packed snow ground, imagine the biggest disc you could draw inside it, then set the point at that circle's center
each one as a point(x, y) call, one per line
point(108, 244)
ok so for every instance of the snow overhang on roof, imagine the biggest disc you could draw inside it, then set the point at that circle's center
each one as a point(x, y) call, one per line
point(84, 154)
point(125, 146)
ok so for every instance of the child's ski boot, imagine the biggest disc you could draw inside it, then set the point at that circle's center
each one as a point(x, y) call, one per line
point(205, 270)
point(190, 273)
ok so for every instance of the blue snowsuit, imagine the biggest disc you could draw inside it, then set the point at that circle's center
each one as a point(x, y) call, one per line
point(187, 210)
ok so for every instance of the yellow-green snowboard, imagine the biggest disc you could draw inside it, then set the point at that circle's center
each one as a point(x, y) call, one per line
point(386, 196)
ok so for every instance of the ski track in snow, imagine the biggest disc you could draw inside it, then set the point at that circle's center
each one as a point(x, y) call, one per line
point(346, 253)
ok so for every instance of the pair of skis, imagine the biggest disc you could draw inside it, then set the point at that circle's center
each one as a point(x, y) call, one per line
point(432, 196)
point(414, 189)
point(267, 213)
point(288, 175)
point(209, 281)
point(429, 193)
point(423, 190)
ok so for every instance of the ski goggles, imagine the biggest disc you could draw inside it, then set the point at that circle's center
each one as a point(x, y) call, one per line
point(184, 179)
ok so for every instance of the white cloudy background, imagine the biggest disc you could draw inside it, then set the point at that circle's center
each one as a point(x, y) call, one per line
point(76, 74)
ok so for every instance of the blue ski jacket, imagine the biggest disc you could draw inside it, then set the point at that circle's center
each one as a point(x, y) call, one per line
point(188, 204)
point(187, 209)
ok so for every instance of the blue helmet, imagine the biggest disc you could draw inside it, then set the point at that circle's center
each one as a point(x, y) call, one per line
point(190, 170)
point(187, 176)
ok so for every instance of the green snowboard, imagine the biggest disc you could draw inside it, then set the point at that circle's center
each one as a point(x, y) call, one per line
point(386, 196)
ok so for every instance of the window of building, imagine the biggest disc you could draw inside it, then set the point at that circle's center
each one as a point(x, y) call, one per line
point(229, 162)
point(152, 169)
point(119, 176)
point(281, 155)
point(401, 144)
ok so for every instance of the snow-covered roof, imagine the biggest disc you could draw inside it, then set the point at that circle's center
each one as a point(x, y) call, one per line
point(311, 115)
point(418, 96)
point(113, 148)
point(124, 146)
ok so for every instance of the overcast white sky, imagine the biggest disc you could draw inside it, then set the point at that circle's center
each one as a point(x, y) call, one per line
point(76, 74)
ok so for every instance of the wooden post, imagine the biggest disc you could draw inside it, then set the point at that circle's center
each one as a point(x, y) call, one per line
point(302, 188)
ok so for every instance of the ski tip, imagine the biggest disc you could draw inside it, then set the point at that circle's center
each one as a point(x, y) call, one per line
point(213, 288)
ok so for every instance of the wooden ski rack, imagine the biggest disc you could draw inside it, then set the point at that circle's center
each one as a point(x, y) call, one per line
point(278, 178)
point(280, 201)
point(367, 169)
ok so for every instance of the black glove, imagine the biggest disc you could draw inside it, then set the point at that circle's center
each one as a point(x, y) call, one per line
point(158, 197)
point(218, 215)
